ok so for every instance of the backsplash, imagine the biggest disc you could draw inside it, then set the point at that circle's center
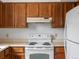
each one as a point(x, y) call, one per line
point(20, 34)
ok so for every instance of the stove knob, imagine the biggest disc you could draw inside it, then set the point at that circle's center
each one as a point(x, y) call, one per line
point(39, 35)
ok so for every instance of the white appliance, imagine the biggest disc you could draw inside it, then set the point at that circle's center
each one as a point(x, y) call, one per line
point(38, 19)
point(72, 34)
point(39, 47)
point(39, 23)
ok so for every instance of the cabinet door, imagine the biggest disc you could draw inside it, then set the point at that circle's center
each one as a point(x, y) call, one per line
point(7, 53)
point(67, 6)
point(18, 56)
point(57, 12)
point(8, 21)
point(0, 14)
point(7, 57)
point(2, 55)
point(17, 49)
point(59, 56)
point(77, 3)
point(45, 9)
point(32, 9)
point(17, 52)
point(59, 52)
point(19, 15)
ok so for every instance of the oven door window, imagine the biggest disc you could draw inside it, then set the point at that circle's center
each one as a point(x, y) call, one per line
point(39, 56)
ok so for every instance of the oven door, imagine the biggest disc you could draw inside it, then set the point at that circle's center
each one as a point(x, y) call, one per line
point(39, 54)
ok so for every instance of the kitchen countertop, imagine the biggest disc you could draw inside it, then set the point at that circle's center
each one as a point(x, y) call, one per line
point(55, 42)
point(58, 42)
point(5, 45)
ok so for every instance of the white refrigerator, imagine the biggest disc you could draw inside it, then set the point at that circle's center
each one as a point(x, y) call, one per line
point(72, 34)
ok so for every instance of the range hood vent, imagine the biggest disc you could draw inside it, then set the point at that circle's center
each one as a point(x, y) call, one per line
point(38, 19)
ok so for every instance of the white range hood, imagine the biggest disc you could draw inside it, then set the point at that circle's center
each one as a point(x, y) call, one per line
point(38, 19)
point(38, 0)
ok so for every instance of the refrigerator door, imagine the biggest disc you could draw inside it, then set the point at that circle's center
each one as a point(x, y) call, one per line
point(72, 24)
point(72, 50)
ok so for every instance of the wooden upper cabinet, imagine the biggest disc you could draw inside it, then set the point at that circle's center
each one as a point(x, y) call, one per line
point(38, 9)
point(0, 14)
point(7, 13)
point(32, 9)
point(14, 15)
point(77, 3)
point(44, 9)
point(20, 15)
point(68, 6)
point(57, 12)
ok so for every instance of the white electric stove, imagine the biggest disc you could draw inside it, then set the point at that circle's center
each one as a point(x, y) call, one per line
point(39, 46)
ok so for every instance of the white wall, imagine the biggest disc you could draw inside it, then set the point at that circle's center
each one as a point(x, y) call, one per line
point(21, 34)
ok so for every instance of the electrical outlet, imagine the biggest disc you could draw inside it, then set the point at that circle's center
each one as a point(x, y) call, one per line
point(56, 34)
point(7, 35)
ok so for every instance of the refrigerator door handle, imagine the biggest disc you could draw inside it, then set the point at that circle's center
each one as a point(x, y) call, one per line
point(65, 48)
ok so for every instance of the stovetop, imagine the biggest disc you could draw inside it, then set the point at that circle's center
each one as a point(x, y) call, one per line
point(36, 43)
point(40, 41)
